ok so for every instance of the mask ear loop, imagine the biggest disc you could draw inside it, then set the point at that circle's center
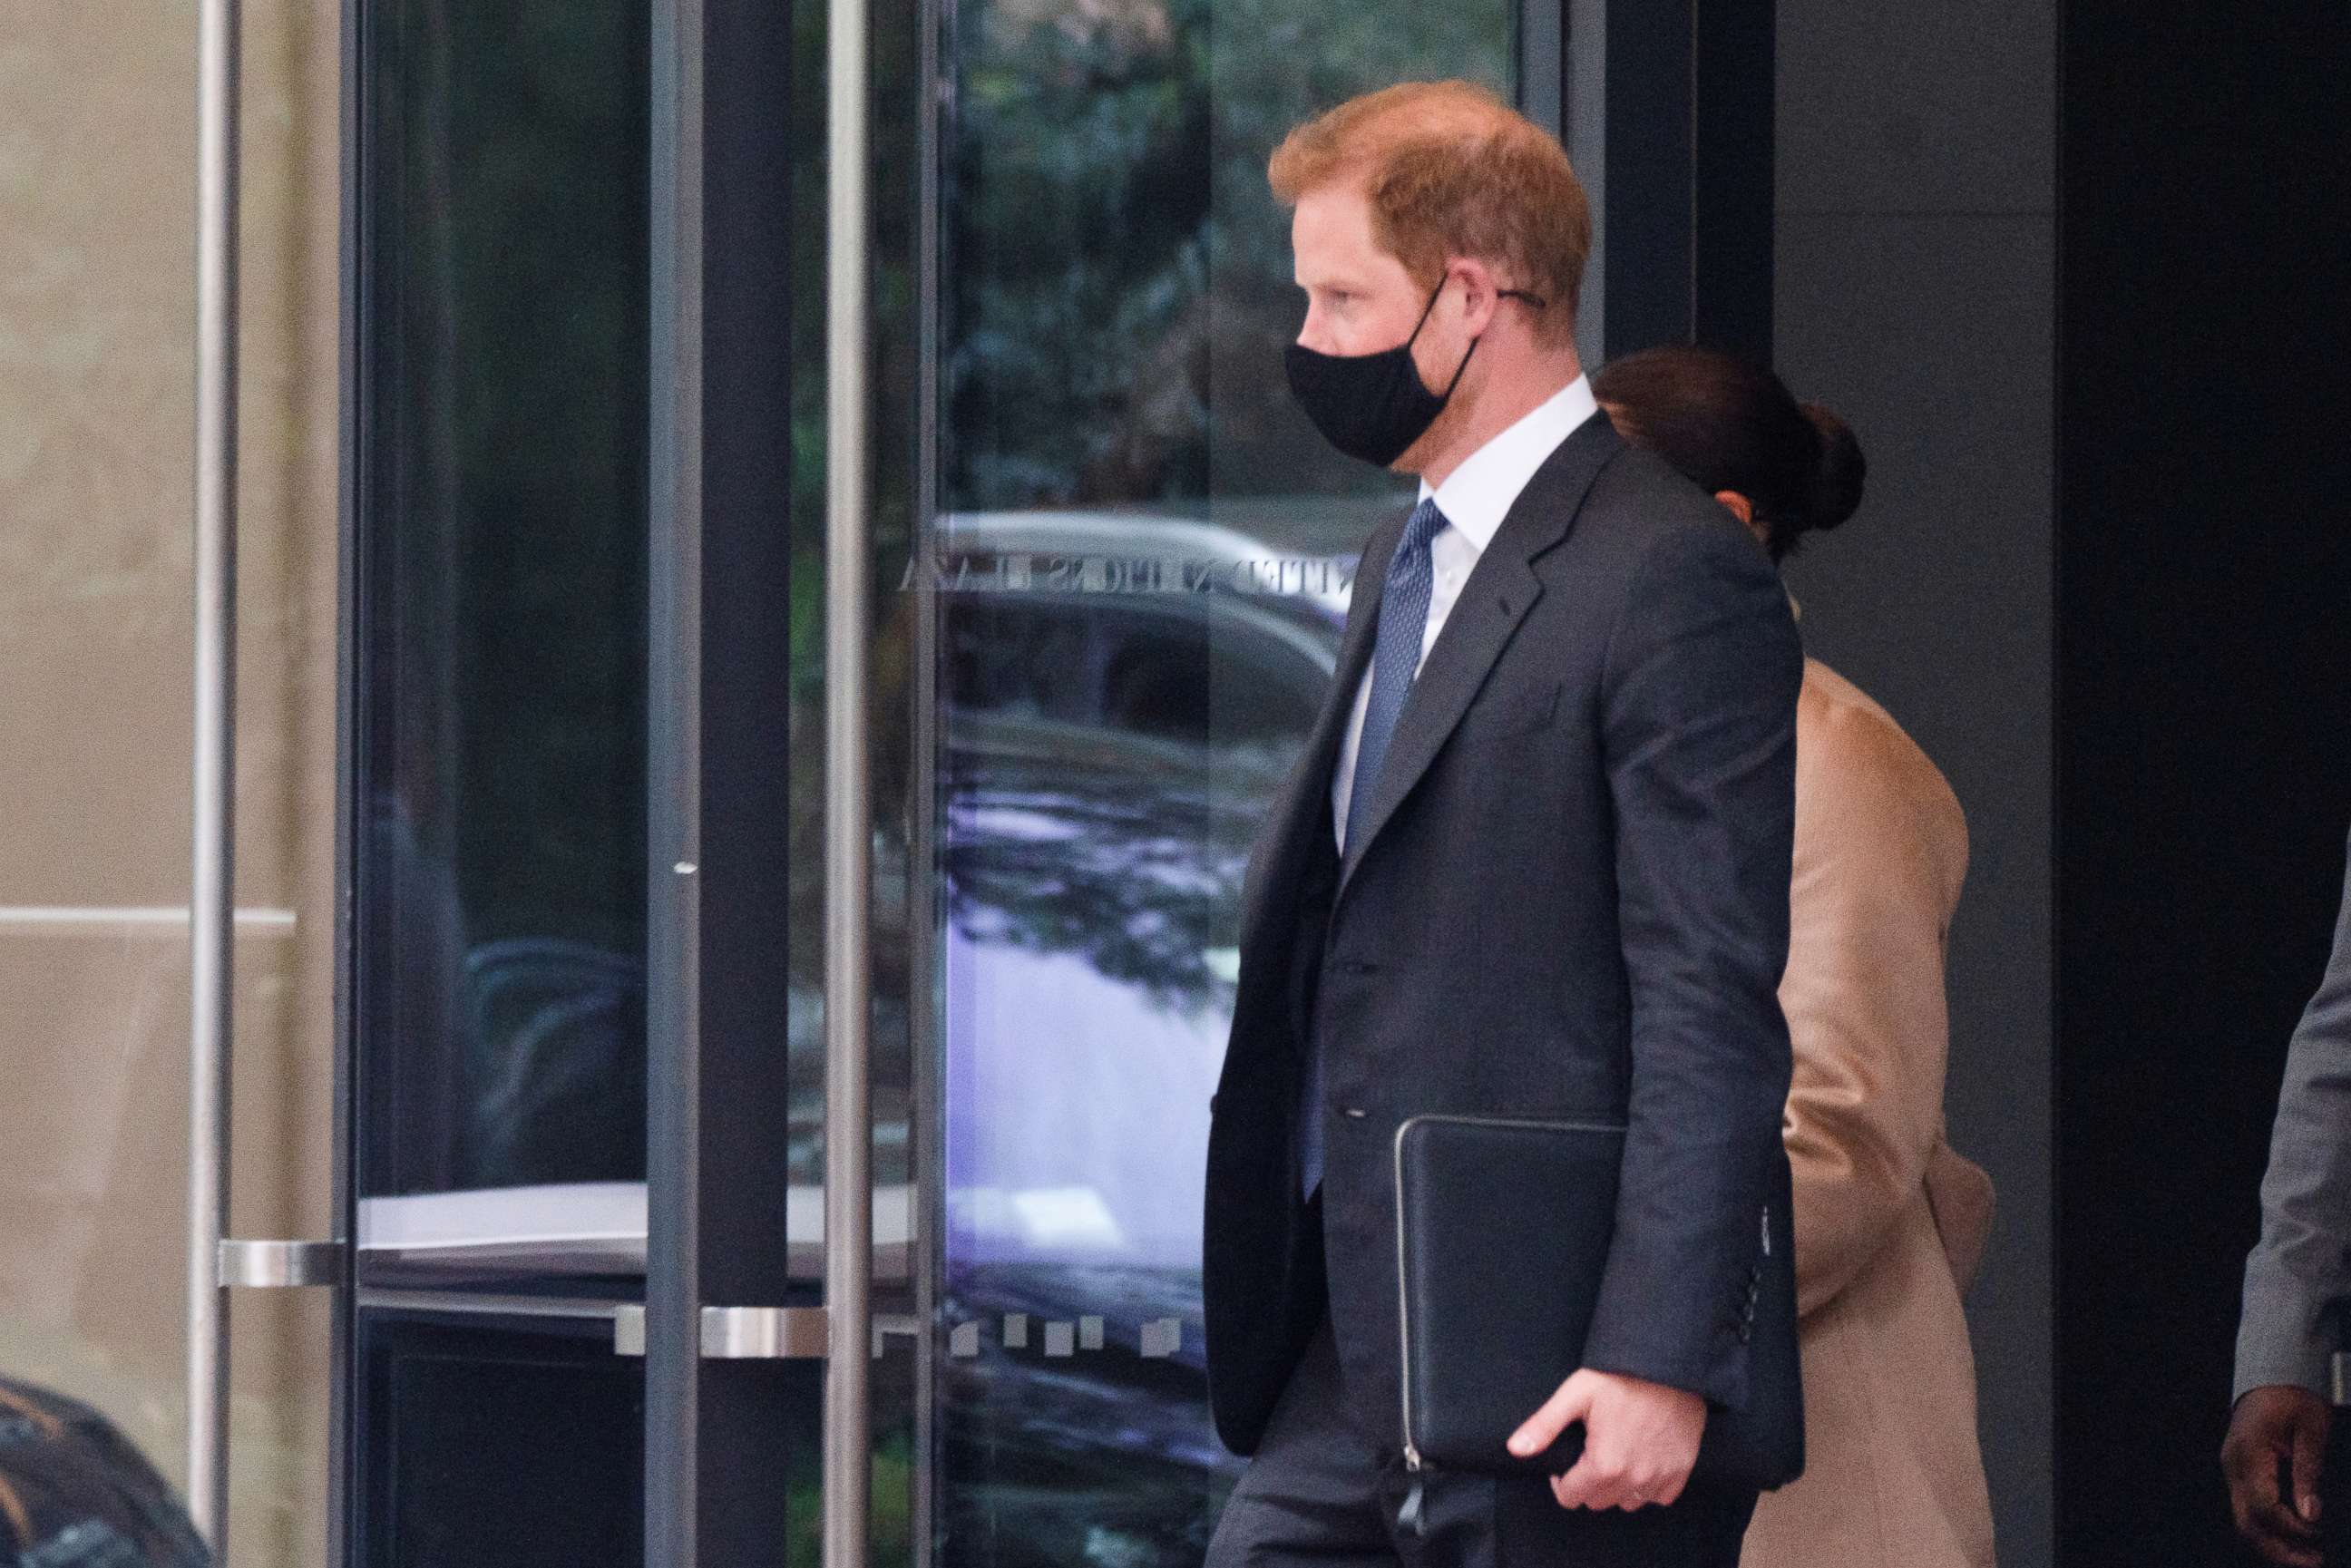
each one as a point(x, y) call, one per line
point(1462, 368)
point(1446, 394)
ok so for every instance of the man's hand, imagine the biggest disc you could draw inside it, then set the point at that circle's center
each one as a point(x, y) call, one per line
point(1639, 1440)
point(2273, 1425)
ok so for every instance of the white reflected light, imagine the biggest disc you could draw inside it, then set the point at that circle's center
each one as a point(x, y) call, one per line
point(1039, 1219)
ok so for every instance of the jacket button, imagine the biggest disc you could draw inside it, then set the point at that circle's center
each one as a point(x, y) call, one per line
point(1355, 1111)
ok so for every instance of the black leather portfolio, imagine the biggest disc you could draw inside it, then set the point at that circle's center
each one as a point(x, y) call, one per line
point(1502, 1233)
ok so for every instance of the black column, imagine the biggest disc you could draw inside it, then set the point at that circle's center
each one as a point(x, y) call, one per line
point(1688, 250)
point(2204, 711)
point(719, 1431)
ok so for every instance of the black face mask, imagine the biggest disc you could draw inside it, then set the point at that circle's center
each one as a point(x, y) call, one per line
point(1373, 406)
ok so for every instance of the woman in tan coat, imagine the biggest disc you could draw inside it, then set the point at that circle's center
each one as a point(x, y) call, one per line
point(1889, 1220)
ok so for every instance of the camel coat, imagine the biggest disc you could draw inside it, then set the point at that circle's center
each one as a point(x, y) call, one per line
point(1893, 1476)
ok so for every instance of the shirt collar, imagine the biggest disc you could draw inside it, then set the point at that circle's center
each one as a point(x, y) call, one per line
point(1477, 497)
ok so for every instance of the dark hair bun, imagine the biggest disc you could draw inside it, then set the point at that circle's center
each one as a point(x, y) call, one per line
point(1834, 491)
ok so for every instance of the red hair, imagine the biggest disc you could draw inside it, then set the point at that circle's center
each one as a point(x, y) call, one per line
point(1451, 170)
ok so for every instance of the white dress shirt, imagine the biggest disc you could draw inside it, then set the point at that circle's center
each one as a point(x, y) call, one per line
point(1475, 498)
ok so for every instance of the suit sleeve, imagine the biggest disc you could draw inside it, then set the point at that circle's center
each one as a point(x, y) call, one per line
point(1699, 712)
point(2299, 1266)
point(1864, 994)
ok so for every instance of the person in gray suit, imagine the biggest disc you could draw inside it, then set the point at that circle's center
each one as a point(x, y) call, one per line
point(1533, 862)
point(2297, 1281)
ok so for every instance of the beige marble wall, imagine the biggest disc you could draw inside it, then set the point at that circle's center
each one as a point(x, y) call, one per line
point(96, 311)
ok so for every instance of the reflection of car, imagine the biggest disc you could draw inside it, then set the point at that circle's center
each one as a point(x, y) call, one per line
point(1108, 756)
point(1139, 626)
point(1187, 551)
point(1108, 741)
point(1112, 738)
point(558, 1084)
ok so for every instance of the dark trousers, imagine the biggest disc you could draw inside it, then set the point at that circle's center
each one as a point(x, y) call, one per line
point(2334, 1493)
point(1318, 1492)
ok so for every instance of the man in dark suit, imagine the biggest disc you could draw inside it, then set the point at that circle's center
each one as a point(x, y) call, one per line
point(1533, 862)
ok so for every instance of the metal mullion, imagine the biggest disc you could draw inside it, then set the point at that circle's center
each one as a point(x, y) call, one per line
point(212, 916)
point(673, 779)
point(848, 979)
point(927, 1110)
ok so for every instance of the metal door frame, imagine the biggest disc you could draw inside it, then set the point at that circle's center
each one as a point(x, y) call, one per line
point(718, 829)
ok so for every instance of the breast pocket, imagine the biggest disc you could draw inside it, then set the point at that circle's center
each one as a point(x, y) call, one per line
point(1517, 710)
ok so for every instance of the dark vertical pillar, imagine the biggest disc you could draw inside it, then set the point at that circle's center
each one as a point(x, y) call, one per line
point(1650, 278)
point(2204, 711)
point(745, 874)
point(1732, 170)
point(719, 862)
point(1688, 252)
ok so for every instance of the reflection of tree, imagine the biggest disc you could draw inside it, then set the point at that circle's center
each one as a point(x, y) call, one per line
point(1115, 283)
point(511, 263)
point(1127, 853)
point(1120, 276)
point(1116, 287)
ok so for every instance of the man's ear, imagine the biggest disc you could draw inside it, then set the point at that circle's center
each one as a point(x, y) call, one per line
point(1476, 282)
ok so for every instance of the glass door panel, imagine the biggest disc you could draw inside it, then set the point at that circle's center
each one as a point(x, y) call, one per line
point(1134, 581)
point(518, 1442)
point(499, 782)
point(503, 666)
point(1110, 562)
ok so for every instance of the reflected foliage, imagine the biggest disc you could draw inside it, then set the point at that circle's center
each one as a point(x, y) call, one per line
point(1119, 284)
point(1129, 853)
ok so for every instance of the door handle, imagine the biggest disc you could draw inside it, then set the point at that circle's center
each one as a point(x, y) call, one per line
point(847, 1462)
point(740, 1334)
point(211, 917)
point(279, 1265)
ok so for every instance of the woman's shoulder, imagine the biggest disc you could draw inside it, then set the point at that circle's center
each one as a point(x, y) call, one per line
point(1855, 757)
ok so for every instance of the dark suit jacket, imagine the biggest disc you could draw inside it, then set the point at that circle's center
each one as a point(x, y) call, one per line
point(1571, 901)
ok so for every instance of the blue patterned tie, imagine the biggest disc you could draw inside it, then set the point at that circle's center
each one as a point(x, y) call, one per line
point(1395, 660)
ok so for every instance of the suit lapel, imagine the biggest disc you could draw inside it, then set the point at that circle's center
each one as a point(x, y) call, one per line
point(1501, 589)
point(1297, 810)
